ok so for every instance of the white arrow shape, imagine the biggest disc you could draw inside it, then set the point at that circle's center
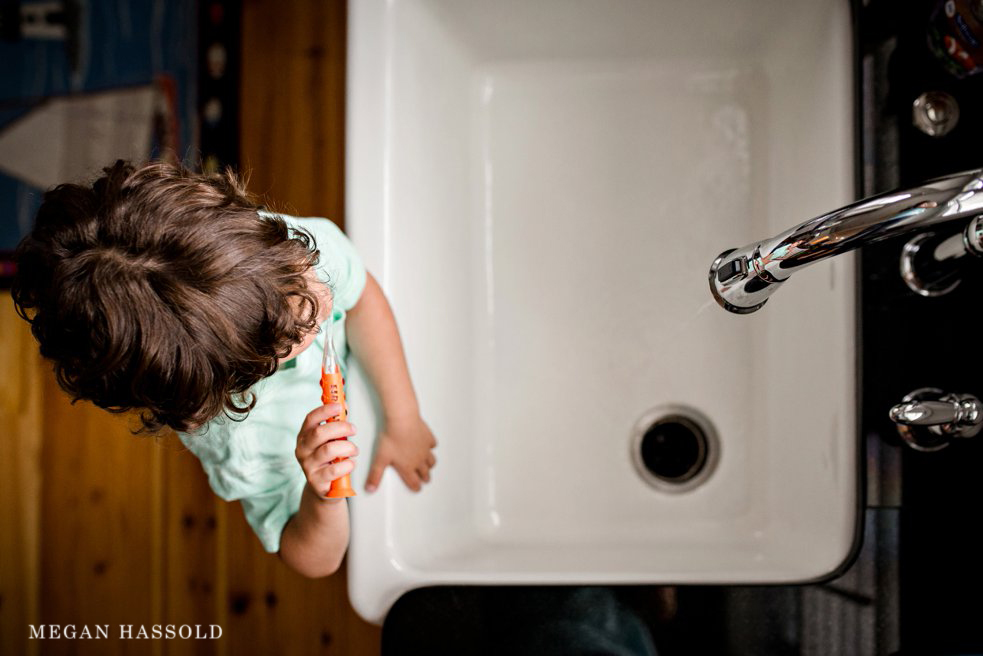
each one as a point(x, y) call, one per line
point(71, 138)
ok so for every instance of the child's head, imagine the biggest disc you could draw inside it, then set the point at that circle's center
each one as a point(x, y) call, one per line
point(162, 290)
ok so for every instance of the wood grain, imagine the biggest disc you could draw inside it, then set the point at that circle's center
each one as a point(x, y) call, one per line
point(20, 481)
point(193, 569)
point(99, 521)
point(293, 104)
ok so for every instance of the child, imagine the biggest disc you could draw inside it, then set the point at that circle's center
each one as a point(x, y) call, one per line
point(172, 293)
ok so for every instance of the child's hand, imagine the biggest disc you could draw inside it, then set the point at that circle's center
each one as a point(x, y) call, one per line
point(406, 445)
point(318, 445)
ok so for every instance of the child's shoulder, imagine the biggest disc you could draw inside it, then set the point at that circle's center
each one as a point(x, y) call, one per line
point(340, 264)
point(312, 223)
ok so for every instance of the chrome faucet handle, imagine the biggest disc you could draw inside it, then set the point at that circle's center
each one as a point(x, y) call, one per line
point(925, 413)
point(933, 264)
point(928, 419)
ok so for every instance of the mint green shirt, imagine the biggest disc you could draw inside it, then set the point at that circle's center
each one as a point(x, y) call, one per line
point(253, 461)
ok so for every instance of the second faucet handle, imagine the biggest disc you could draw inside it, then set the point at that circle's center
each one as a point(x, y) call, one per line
point(928, 418)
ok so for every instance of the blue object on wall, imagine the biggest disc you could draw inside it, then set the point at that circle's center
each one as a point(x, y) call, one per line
point(115, 44)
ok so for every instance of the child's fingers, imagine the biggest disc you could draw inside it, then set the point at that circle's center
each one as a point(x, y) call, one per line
point(325, 432)
point(321, 479)
point(410, 477)
point(424, 466)
point(319, 414)
point(330, 451)
point(313, 438)
point(375, 474)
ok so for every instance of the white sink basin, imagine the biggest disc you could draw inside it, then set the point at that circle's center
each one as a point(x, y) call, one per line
point(541, 187)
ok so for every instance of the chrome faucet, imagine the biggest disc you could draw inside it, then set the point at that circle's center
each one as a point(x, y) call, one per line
point(928, 418)
point(742, 279)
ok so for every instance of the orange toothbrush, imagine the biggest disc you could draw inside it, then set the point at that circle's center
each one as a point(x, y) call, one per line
point(333, 391)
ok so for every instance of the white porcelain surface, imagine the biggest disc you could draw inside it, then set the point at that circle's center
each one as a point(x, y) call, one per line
point(541, 186)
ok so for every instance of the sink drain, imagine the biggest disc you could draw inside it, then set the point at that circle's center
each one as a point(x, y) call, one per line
point(675, 448)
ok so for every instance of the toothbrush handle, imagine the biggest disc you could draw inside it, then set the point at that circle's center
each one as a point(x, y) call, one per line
point(333, 391)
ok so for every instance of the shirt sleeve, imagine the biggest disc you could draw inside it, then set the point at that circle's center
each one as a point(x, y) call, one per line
point(269, 510)
point(253, 462)
point(340, 265)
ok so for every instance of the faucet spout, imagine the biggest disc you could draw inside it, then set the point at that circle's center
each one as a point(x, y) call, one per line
point(742, 279)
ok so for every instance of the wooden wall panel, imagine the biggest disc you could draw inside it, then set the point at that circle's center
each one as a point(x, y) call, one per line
point(293, 103)
point(278, 610)
point(194, 567)
point(20, 481)
point(100, 524)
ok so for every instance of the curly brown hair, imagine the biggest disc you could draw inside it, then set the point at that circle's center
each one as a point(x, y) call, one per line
point(164, 291)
